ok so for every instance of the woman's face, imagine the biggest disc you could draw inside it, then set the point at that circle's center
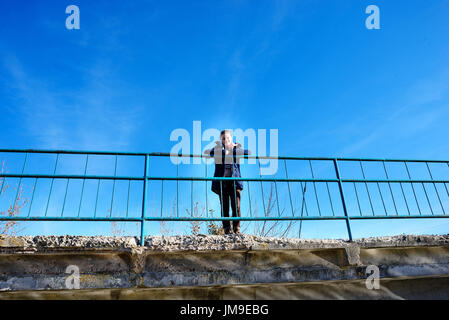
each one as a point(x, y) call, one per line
point(226, 140)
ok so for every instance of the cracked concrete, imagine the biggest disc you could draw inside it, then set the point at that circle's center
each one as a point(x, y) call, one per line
point(213, 242)
point(39, 263)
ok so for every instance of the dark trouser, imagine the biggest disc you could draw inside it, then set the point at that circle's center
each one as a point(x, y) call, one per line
point(228, 192)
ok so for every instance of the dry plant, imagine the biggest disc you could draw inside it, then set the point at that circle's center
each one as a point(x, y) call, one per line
point(117, 229)
point(11, 227)
point(213, 227)
point(273, 228)
point(195, 225)
point(164, 227)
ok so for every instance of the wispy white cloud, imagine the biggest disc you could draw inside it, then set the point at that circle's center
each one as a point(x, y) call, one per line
point(86, 117)
point(424, 104)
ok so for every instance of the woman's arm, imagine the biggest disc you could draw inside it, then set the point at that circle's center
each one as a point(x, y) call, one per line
point(211, 152)
point(240, 151)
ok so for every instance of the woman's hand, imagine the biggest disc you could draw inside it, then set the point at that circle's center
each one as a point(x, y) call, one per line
point(232, 145)
point(219, 144)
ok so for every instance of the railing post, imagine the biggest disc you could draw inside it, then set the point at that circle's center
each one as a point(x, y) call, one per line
point(340, 186)
point(144, 201)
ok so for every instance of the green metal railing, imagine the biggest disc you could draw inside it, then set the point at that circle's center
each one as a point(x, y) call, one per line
point(401, 198)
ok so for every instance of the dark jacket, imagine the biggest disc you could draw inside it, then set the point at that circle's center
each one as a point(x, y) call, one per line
point(220, 165)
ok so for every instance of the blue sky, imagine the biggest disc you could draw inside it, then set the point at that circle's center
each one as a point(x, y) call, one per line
point(137, 70)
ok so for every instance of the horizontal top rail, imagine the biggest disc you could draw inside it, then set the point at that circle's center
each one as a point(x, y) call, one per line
point(69, 176)
point(167, 154)
point(95, 177)
point(108, 153)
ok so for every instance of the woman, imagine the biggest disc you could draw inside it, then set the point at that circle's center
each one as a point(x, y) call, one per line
point(230, 167)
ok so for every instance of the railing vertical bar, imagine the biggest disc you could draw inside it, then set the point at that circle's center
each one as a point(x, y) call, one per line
point(304, 201)
point(207, 207)
point(277, 198)
point(389, 186)
point(221, 198)
point(113, 185)
point(191, 197)
point(65, 197)
point(32, 197)
point(162, 196)
point(20, 181)
point(51, 185)
point(438, 195)
point(303, 204)
point(330, 198)
point(382, 198)
point(425, 192)
point(144, 201)
point(314, 187)
point(261, 187)
point(96, 198)
point(340, 186)
point(405, 199)
point(357, 196)
point(445, 187)
point(82, 188)
point(249, 199)
point(177, 189)
point(288, 186)
point(127, 199)
point(413, 188)
point(366, 187)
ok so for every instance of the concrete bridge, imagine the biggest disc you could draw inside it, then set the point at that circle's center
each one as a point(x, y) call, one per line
point(223, 267)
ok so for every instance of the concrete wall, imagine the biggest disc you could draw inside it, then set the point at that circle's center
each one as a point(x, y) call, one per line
point(224, 267)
